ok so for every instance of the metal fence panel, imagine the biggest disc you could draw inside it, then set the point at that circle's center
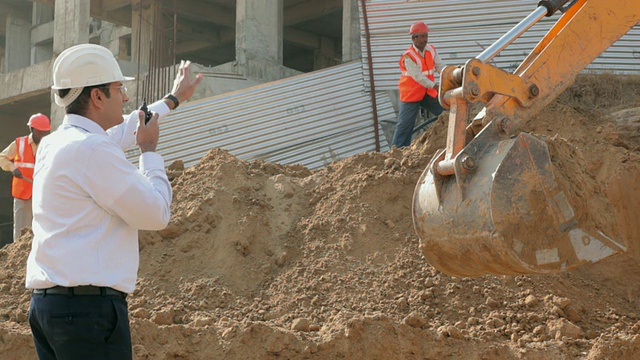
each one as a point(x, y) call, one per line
point(310, 119)
point(462, 29)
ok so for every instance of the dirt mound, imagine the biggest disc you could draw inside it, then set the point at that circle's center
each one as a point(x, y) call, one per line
point(266, 261)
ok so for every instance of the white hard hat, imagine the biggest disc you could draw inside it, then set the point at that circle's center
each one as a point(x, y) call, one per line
point(84, 65)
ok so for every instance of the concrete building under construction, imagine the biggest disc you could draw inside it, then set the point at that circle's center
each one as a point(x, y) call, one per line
point(235, 43)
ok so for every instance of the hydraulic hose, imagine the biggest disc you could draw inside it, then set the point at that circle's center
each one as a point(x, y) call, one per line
point(552, 5)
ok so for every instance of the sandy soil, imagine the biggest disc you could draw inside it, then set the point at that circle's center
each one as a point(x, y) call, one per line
point(263, 261)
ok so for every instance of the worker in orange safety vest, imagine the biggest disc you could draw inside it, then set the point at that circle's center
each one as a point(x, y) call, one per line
point(417, 85)
point(19, 158)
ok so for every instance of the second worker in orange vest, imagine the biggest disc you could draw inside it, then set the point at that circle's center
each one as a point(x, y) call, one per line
point(417, 84)
point(19, 158)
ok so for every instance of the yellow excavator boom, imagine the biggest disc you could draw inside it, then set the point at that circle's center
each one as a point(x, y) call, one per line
point(490, 202)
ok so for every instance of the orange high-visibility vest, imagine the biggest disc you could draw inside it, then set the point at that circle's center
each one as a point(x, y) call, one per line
point(24, 160)
point(411, 90)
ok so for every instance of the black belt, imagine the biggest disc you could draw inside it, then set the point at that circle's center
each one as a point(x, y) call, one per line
point(80, 290)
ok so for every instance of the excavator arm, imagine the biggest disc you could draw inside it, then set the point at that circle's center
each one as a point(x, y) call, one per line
point(490, 202)
point(584, 32)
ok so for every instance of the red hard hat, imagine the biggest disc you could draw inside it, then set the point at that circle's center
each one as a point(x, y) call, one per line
point(39, 122)
point(418, 27)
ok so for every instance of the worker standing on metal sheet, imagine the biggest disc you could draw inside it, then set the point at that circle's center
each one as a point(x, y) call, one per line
point(19, 158)
point(417, 84)
point(89, 203)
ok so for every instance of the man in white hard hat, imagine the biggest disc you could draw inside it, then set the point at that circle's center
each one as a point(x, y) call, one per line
point(89, 203)
point(19, 158)
point(417, 85)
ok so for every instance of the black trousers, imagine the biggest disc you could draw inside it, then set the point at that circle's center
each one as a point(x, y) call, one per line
point(407, 119)
point(83, 327)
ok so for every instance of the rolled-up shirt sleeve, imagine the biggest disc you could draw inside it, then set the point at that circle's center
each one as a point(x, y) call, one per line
point(415, 72)
point(6, 156)
point(437, 61)
point(124, 134)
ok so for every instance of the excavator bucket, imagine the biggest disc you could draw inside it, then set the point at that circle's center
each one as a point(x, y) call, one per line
point(507, 216)
point(492, 202)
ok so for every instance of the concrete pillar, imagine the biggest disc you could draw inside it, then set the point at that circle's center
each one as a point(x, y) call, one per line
point(42, 13)
point(112, 37)
point(71, 27)
point(259, 30)
point(325, 56)
point(42, 32)
point(17, 54)
point(57, 114)
point(351, 49)
point(143, 29)
point(71, 24)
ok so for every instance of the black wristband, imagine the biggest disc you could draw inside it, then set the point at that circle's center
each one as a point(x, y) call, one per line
point(174, 99)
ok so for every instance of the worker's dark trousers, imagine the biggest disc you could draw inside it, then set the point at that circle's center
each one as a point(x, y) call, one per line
point(80, 327)
point(407, 119)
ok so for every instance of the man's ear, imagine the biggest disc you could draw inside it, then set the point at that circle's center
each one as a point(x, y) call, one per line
point(97, 97)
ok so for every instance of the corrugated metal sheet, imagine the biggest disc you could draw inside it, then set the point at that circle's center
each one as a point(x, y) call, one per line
point(310, 119)
point(461, 29)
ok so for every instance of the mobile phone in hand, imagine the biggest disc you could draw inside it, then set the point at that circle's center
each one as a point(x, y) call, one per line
point(147, 112)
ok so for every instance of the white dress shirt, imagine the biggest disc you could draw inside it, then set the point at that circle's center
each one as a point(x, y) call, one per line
point(415, 70)
point(89, 202)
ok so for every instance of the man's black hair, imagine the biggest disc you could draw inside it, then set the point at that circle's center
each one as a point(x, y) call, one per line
point(80, 105)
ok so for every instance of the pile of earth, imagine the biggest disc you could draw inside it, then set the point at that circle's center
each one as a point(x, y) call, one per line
point(265, 261)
